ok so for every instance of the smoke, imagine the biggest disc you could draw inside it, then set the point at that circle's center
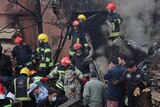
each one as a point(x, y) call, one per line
point(157, 13)
point(137, 18)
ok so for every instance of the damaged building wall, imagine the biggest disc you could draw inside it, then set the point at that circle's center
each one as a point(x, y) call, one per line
point(20, 18)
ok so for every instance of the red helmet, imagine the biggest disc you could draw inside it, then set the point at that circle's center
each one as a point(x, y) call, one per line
point(111, 6)
point(65, 61)
point(77, 46)
point(1, 89)
point(18, 39)
point(32, 72)
point(75, 23)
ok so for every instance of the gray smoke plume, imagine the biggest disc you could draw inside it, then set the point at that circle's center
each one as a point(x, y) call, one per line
point(137, 18)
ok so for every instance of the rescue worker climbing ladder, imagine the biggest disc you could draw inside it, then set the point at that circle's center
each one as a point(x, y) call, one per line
point(77, 37)
point(113, 20)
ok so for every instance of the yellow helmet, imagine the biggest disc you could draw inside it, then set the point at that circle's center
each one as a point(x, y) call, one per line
point(43, 37)
point(25, 70)
point(81, 17)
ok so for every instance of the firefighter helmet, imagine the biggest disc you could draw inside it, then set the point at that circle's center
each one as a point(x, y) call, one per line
point(65, 61)
point(18, 39)
point(32, 72)
point(75, 23)
point(43, 37)
point(77, 46)
point(25, 70)
point(111, 6)
point(1, 89)
point(81, 17)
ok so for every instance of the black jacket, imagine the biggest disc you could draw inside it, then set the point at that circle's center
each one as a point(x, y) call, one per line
point(47, 103)
point(79, 37)
point(78, 61)
point(136, 79)
point(115, 19)
point(5, 65)
point(22, 53)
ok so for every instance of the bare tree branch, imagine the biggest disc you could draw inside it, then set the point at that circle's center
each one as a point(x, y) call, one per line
point(16, 2)
point(46, 7)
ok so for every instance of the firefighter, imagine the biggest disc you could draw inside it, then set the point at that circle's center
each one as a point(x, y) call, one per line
point(78, 60)
point(113, 20)
point(19, 87)
point(45, 54)
point(22, 52)
point(34, 75)
point(58, 74)
point(81, 18)
point(77, 37)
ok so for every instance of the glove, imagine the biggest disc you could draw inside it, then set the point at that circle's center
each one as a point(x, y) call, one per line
point(44, 79)
point(137, 92)
point(84, 80)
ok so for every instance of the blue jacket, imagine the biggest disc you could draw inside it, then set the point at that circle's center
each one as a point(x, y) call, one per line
point(115, 91)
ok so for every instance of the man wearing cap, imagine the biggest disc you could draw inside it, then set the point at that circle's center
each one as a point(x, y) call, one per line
point(94, 92)
point(19, 87)
point(39, 92)
point(22, 52)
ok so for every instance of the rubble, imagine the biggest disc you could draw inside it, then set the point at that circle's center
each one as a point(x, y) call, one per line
point(153, 68)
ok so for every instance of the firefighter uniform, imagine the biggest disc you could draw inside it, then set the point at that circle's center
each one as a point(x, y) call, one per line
point(115, 20)
point(20, 86)
point(77, 37)
point(45, 54)
point(22, 52)
point(58, 75)
point(78, 60)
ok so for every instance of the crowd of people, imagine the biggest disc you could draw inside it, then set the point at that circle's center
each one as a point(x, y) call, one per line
point(38, 82)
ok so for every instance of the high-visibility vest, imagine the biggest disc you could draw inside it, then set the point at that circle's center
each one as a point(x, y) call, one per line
point(20, 89)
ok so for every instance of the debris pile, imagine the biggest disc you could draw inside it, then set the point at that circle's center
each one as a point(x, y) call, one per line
point(153, 68)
